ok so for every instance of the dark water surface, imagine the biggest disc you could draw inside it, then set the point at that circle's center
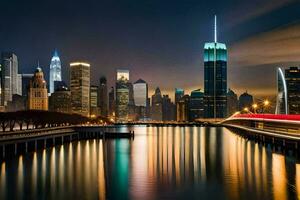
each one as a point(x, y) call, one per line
point(160, 163)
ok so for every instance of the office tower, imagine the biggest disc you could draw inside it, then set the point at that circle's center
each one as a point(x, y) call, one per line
point(9, 76)
point(102, 97)
point(245, 101)
point(182, 108)
point(196, 105)
point(55, 71)
point(60, 100)
point(232, 102)
point(94, 109)
point(215, 78)
point(80, 88)
point(25, 83)
point(282, 96)
point(292, 78)
point(122, 96)
point(179, 93)
point(19, 84)
point(168, 109)
point(111, 103)
point(37, 94)
point(156, 106)
point(140, 92)
point(131, 104)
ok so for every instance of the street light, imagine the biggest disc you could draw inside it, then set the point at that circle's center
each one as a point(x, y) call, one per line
point(246, 109)
point(254, 106)
point(266, 103)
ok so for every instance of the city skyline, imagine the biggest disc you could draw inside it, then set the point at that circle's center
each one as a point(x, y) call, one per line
point(158, 48)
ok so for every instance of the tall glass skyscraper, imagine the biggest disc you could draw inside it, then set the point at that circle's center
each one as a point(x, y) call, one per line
point(9, 77)
point(80, 88)
point(55, 71)
point(215, 78)
point(122, 96)
point(140, 91)
point(292, 78)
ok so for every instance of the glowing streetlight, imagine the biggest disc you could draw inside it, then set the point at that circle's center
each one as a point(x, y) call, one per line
point(254, 106)
point(266, 103)
point(246, 109)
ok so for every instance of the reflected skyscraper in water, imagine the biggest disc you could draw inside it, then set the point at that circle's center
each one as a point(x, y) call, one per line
point(158, 162)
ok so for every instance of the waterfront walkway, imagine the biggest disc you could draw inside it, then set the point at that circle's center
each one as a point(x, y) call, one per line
point(279, 130)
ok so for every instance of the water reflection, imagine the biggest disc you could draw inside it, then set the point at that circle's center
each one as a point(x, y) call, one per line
point(160, 163)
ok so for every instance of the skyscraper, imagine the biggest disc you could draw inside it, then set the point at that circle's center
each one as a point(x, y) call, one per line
point(37, 93)
point(215, 78)
point(122, 96)
point(94, 109)
point(25, 83)
point(80, 88)
point(55, 71)
point(156, 106)
point(232, 102)
point(111, 103)
point(182, 107)
point(102, 97)
point(60, 100)
point(168, 109)
point(282, 97)
point(196, 107)
point(9, 76)
point(292, 77)
point(179, 93)
point(140, 91)
point(19, 84)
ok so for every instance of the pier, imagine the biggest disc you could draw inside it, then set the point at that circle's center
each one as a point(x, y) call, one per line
point(19, 142)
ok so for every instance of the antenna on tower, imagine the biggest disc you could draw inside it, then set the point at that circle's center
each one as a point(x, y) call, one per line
point(215, 28)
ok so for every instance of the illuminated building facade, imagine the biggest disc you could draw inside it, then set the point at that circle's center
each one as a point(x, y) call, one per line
point(55, 71)
point(196, 106)
point(9, 77)
point(179, 93)
point(94, 109)
point(182, 108)
point(215, 79)
point(140, 91)
point(37, 93)
point(80, 88)
point(122, 96)
point(292, 78)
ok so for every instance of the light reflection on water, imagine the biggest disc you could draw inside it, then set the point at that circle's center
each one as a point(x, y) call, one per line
point(160, 163)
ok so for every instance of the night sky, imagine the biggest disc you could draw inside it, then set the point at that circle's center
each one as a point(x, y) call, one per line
point(158, 41)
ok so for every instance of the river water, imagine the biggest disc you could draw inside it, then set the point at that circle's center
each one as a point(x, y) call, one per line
point(160, 163)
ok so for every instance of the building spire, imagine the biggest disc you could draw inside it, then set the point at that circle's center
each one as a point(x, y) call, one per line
point(215, 31)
